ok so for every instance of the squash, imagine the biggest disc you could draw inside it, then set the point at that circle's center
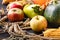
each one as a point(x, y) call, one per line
point(42, 3)
point(52, 13)
point(9, 1)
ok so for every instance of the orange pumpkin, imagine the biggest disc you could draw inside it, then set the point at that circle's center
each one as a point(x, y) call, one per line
point(42, 3)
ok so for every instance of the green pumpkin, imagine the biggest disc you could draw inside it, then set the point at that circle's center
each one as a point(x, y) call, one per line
point(52, 13)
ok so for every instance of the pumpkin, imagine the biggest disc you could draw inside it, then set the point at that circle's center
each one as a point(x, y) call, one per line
point(52, 13)
point(42, 3)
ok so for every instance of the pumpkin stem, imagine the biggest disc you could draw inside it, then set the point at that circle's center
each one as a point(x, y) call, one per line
point(37, 9)
point(37, 18)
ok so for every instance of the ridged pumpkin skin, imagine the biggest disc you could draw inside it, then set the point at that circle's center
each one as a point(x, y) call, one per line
point(52, 13)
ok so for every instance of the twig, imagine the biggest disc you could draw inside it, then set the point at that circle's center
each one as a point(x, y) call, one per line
point(26, 28)
point(27, 22)
point(16, 29)
point(3, 19)
point(36, 37)
point(19, 22)
point(22, 32)
point(5, 27)
point(2, 11)
point(10, 29)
